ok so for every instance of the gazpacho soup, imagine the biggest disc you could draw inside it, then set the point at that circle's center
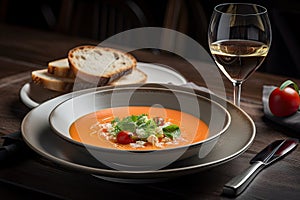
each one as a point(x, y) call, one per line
point(138, 128)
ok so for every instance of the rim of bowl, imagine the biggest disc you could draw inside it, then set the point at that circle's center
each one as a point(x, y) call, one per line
point(93, 147)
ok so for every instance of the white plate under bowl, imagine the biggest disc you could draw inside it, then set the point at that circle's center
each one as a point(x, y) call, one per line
point(39, 136)
point(32, 95)
point(211, 113)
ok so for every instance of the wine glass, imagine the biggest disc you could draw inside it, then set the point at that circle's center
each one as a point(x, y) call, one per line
point(239, 38)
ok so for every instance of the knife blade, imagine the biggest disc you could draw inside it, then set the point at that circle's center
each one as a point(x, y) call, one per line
point(266, 157)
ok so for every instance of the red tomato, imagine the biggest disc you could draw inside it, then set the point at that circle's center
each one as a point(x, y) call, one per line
point(104, 130)
point(124, 137)
point(284, 102)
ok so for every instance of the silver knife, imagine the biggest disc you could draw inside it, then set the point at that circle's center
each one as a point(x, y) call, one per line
point(267, 156)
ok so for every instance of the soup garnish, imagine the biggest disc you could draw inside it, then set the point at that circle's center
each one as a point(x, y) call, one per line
point(140, 130)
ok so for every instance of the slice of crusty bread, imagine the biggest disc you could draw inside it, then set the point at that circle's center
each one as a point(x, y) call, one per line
point(136, 76)
point(60, 68)
point(52, 82)
point(101, 65)
point(65, 84)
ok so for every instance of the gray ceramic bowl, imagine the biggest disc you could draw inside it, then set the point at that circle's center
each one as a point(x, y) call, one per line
point(214, 115)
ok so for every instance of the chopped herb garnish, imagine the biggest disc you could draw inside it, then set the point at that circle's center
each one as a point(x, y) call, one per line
point(143, 128)
point(172, 131)
point(127, 126)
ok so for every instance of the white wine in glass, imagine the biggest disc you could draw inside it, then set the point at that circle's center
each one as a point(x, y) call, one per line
point(239, 38)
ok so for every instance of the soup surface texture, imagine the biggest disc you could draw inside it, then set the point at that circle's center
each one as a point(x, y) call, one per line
point(89, 128)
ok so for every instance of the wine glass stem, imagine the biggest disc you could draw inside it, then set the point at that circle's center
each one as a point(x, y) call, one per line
point(237, 93)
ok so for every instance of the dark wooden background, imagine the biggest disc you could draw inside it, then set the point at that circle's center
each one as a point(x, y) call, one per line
point(29, 176)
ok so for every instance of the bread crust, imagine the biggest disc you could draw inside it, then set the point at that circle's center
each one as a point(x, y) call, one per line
point(64, 84)
point(142, 75)
point(105, 79)
point(49, 81)
point(55, 67)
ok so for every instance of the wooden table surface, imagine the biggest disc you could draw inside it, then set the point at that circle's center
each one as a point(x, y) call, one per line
point(31, 176)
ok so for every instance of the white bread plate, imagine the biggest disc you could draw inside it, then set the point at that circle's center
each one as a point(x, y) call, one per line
point(33, 95)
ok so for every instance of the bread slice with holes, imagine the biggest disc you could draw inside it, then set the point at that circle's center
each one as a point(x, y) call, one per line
point(99, 64)
point(60, 68)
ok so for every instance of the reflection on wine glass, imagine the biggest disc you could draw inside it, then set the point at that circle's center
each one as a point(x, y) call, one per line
point(239, 38)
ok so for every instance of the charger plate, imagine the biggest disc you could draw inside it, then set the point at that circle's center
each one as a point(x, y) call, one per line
point(39, 136)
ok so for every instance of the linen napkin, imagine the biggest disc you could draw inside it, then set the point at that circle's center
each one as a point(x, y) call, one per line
point(291, 122)
point(12, 147)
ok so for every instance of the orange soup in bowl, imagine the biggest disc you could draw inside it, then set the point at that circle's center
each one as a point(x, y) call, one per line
point(138, 128)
